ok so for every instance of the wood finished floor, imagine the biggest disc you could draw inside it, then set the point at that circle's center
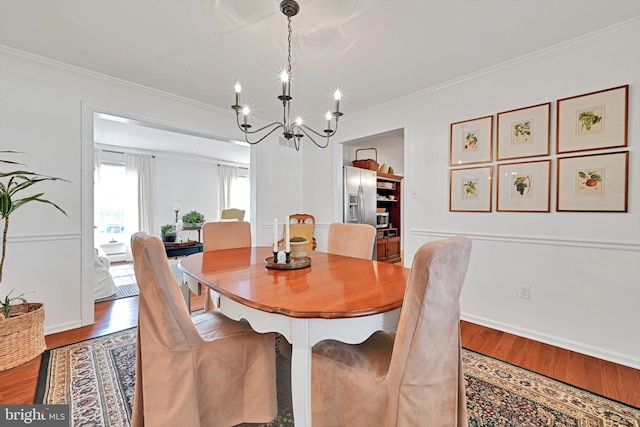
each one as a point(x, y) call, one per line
point(614, 381)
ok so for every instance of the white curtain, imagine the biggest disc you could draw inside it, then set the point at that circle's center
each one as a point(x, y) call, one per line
point(139, 170)
point(97, 161)
point(228, 178)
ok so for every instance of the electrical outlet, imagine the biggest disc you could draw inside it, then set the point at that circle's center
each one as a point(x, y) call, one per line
point(523, 291)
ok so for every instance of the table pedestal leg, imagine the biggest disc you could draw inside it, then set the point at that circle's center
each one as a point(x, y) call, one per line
point(301, 373)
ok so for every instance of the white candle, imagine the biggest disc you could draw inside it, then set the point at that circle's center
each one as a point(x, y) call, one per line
point(286, 235)
point(275, 234)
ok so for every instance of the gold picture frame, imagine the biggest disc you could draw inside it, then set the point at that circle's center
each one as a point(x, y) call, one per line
point(470, 189)
point(524, 132)
point(524, 187)
point(471, 141)
point(593, 183)
point(593, 121)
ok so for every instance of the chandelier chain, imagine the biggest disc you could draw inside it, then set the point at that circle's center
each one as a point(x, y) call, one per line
point(289, 39)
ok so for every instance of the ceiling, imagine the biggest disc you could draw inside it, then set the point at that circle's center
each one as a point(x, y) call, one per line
point(374, 50)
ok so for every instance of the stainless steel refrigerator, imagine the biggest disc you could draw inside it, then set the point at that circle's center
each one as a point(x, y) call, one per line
point(359, 195)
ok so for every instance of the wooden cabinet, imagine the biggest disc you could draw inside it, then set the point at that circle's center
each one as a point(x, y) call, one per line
point(389, 198)
point(388, 245)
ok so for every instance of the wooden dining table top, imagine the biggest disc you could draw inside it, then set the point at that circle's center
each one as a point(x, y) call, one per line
point(333, 286)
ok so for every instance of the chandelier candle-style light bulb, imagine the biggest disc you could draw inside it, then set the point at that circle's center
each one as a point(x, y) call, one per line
point(328, 117)
point(290, 130)
point(245, 114)
point(238, 89)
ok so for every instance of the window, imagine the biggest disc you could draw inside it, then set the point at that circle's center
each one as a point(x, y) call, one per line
point(110, 215)
point(241, 193)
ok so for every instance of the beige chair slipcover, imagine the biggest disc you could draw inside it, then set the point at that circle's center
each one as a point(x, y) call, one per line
point(205, 370)
point(415, 379)
point(233, 213)
point(354, 240)
point(223, 235)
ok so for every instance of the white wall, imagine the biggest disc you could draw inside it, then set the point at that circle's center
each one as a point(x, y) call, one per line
point(195, 183)
point(582, 267)
point(46, 111)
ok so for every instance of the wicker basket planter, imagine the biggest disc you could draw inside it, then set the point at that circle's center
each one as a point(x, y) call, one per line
point(21, 336)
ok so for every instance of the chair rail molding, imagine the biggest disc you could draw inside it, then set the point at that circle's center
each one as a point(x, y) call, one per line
point(533, 240)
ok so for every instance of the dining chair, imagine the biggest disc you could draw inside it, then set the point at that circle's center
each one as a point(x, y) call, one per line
point(410, 378)
point(237, 214)
point(354, 240)
point(223, 235)
point(302, 225)
point(200, 370)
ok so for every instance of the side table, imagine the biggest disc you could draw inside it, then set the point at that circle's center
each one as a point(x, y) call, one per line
point(182, 248)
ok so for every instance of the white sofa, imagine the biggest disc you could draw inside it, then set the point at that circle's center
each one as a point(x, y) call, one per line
point(103, 284)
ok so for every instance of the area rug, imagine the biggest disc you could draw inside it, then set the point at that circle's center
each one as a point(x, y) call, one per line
point(96, 378)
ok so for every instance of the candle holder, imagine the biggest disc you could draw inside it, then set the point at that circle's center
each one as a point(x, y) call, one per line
point(288, 255)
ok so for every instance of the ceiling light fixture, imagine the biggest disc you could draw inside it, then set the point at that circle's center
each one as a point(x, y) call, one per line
point(291, 129)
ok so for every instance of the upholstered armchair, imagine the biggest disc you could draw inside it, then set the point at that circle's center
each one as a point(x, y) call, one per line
point(354, 240)
point(413, 377)
point(201, 370)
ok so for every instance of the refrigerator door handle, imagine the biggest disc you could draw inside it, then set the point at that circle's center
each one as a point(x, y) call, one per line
point(361, 204)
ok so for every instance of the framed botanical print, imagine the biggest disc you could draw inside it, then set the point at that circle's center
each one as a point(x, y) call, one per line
point(470, 189)
point(524, 132)
point(524, 187)
point(471, 141)
point(593, 121)
point(593, 183)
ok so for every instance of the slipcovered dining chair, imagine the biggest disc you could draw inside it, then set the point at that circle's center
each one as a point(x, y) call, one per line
point(223, 235)
point(201, 370)
point(228, 214)
point(413, 377)
point(354, 240)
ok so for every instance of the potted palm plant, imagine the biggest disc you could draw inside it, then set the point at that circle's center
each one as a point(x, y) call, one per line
point(21, 324)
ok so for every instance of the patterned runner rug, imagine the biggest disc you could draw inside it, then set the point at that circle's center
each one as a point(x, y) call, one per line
point(96, 378)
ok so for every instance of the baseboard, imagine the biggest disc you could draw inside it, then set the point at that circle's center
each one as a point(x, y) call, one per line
point(61, 327)
point(600, 353)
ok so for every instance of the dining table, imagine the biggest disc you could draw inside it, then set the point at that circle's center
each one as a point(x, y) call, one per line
point(335, 297)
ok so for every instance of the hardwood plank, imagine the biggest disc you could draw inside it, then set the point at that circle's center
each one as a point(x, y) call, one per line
point(504, 346)
point(593, 375)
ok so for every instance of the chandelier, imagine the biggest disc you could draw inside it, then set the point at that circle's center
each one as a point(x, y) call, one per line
point(295, 130)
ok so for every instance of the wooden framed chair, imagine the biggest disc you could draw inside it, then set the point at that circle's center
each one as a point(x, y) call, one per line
point(302, 225)
point(201, 370)
point(354, 240)
point(231, 214)
point(413, 377)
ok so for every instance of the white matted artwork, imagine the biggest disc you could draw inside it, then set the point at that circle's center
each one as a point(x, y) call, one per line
point(524, 187)
point(471, 141)
point(470, 189)
point(524, 132)
point(593, 183)
point(593, 121)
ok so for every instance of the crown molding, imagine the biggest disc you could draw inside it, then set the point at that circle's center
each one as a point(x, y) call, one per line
point(83, 72)
point(622, 27)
